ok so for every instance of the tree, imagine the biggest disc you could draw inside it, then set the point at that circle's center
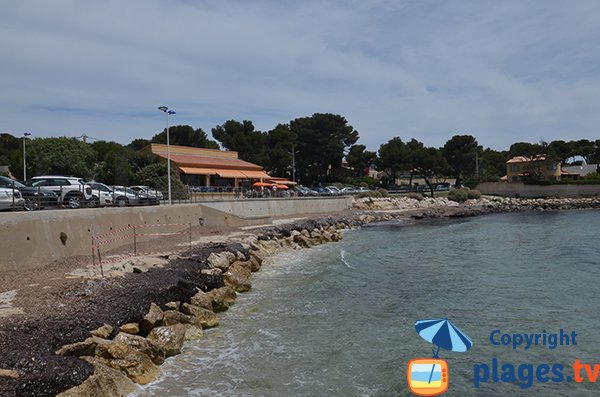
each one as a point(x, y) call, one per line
point(244, 139)
point(493, 164)
point(563, 150)
point(138, 144)
point(360, 159)
point(280, 143)
point(428, 162)
point(461, 152)
point(155, 176)
point(115, 165)
point(185, 135)
point(322, 140)
point(60, 156)
point(393, 157)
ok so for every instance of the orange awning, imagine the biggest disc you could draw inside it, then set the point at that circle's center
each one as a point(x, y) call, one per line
point(231, 174)
point(256, 174)
point(198, 171)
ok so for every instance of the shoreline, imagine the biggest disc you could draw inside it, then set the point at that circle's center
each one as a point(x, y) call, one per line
point(67, 314)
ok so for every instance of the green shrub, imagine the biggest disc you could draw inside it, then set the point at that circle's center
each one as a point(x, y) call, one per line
point(474, 194)
point(415, 196)
point(383, 192)
point(458, 195)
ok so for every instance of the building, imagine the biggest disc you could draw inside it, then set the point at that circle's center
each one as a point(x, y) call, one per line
point(208, 167)
point(520, 168)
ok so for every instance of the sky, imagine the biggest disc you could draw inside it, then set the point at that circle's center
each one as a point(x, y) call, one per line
point(502, 71)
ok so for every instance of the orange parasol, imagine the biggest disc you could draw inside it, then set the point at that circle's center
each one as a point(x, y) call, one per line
point(281, 187)
point(262, 184)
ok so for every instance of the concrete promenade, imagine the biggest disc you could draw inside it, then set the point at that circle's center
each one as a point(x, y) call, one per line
point(30, 240)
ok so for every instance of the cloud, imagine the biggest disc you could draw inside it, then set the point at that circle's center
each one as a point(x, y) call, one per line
point(502, 71)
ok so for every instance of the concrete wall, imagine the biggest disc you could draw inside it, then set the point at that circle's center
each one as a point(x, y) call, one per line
point(520, 189)
point(29, 240)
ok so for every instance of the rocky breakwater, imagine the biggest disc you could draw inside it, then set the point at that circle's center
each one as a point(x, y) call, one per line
point(443, 207)
point(132, 353)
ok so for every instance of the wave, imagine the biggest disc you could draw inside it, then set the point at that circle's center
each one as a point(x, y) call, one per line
point(344, 261)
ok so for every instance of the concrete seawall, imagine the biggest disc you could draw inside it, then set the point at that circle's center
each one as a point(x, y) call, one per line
point(31, 240)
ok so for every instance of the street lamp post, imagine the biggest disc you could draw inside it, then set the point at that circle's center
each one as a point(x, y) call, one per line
point(167, 113)
point(25, 135)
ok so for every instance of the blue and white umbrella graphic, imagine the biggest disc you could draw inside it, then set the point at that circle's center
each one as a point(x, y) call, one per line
point(442, 333)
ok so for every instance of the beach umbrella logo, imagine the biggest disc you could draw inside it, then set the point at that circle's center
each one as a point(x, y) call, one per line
point(429, 376)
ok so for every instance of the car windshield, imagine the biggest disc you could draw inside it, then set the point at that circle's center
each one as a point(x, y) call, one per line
point(7, 182)
point(126, 190)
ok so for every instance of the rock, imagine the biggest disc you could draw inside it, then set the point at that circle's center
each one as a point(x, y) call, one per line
point(255, 263)
point(103, 332)
point(193, 332)
point(221, 260)
point(104, 382)
point(153, 319)
point(222, 298)
point(146, 346)
point(202, 299)
point(303, 241)
point(242, 267)
point(172, 317)
point(173, 305)
point(135, 364)
point(240, 256)
point(327, 236)
point(238, 282)
point(206, 318)
point(8, 373)
point(305, 233)
point(130, 328)
point(78, 349)
point(169, 337)
point(212, 272)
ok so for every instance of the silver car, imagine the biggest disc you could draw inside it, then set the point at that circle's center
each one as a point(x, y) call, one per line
point(124, 196)
point(11, 199)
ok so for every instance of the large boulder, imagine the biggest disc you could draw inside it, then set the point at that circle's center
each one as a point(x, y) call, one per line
point(135, 364)
point(172, 317)
point(104, 382)
point(103, 332)
point(130, 328)
point(206, 318)
point(202, 299)
point(222, 298)
point(170, 338)
point(222, 260)
point(238, 282)
point(146, 346)
point(193, 332)
point(78, 349)
point(153, 318)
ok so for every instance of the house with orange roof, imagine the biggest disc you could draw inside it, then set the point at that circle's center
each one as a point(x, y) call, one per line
point(540, 168)
point(208, 167)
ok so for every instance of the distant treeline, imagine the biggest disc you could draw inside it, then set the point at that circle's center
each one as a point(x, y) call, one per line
point(317, 145)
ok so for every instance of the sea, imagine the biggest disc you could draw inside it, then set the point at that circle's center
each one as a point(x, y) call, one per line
point(339, 319)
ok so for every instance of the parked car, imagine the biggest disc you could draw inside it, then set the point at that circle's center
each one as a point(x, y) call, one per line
point(71, 191)
point(348, 190)
point(11, 199)
point(442, 187)
point(102, 195)
point(34, 197)
point(147, 195)
point(124, 196)
point(362, 189)
point(304, 191)
point(334, 191)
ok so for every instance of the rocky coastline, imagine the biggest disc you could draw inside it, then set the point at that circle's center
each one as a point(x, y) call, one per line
point(99, 337)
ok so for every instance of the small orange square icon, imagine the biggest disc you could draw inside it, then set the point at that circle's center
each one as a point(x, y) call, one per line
point(427, 376)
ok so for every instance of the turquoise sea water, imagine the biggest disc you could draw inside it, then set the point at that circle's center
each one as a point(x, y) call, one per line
point(338, 320)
